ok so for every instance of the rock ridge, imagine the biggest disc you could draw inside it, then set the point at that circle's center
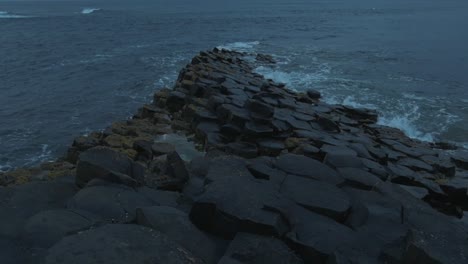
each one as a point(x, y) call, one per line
point(230, 167)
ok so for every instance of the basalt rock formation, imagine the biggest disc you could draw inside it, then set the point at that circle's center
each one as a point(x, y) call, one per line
point(279, 177)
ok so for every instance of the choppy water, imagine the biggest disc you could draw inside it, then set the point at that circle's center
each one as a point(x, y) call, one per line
point(70, 67)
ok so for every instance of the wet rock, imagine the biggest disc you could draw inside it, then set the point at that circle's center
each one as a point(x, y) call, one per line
point(265, 58)
point(319, 197)
point(313, 94)
point(363, 115)
point(134, 244)
point(107, 164)
point(177, 226)
point(307, 167)
point(254, 249)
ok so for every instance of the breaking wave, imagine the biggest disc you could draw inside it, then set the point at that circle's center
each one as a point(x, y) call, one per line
point(402, 113)
point(4, 14)
point(87, 11)
point(240, 46)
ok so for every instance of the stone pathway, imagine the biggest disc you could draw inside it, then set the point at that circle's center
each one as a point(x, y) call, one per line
point(279, 177)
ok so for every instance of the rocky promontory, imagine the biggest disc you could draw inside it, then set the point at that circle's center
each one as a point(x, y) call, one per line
point(229, 167)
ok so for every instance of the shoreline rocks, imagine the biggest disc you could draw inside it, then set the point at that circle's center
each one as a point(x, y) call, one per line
point(273, 176)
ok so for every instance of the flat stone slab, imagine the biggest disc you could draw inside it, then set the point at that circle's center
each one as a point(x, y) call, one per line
point(307, 167)
point(319, 197)
point(115, 204)
point(115, 244)
point(359, 178)
point(255, 249)
point(47, 227)
point(18, 203)
point(314, 237)
point(176, 225)
point(222, 211)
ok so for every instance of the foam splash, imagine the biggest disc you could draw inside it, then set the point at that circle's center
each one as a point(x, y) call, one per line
point(240, 46)
point(87, 11)
point(294, 80)
point(44, 155)
point(337, 91)
point(5, 168)
point(406, 123)
point(5, 14)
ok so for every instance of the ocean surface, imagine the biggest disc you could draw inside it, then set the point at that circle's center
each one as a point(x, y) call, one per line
point(71, 67)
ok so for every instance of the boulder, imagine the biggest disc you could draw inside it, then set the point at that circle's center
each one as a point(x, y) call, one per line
point(107, 164)
point(168, 172)
point(313, 94)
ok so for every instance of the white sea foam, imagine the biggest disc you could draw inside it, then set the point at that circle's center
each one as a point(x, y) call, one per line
point(406, 123)
point(44, 155)
point(87, 11)
point(4, 14)
point(402, 114)
point(5, 167)
point(240, 46)
point(415, 97)
point(294, 80)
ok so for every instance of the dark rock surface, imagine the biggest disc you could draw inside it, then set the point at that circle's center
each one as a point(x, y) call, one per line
point(271, 176)
point(119, 244)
